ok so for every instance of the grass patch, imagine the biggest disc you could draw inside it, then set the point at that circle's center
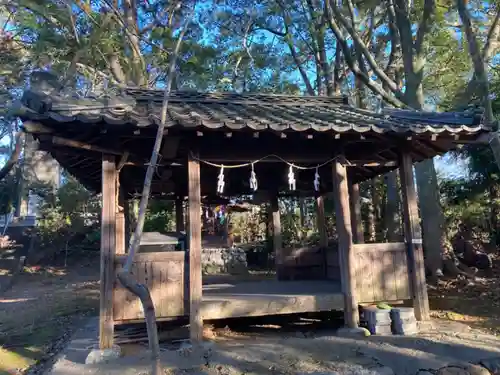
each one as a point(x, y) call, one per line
point(11, 362)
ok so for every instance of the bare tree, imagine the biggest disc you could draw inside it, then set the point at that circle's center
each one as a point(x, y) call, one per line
point(125, 276)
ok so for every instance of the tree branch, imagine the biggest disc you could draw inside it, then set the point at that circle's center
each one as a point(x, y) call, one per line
point(404, 27)
point(363, 49)
point(424, 25)
point(477, 60)
point(353, 65)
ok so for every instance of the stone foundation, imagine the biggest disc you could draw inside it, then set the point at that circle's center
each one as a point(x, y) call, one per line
point(224, 260)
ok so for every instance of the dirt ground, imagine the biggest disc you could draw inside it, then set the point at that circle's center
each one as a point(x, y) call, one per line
point(40, 311)
point(45, 305)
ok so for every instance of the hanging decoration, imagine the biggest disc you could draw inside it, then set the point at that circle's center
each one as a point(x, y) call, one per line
point(316, 179)
point(220, 181)
point(253, 180)
point(291, 179)
point(292, 182)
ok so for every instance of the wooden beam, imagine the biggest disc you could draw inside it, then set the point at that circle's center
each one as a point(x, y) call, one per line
point(81, 145)
point(320, 212)
point(277, 239)
point(355, 211)
point(346, 254)
point(108, 247)
point(413, 237)
point(179, 215)
point(195, 282)
point(295, 158)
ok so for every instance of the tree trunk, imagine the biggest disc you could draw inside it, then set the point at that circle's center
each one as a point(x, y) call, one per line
point(480, 74)
point(14, 156)
point(125, 276)
point(431, 213)
point(372, 219)
point(392, 208)
point(494, 191)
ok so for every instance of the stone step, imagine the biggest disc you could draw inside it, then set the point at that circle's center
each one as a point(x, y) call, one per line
point(380, 329)
point(402, 328)
point(402, 313)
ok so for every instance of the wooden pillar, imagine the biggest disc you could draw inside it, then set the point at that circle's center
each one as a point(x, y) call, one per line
point(108, 248)
point(320, 213)
point(121, 239)
point(413, 237)
point(346, 256)
point(277, 238)
point(355, 208)
point(195, 281)
point(179, 215)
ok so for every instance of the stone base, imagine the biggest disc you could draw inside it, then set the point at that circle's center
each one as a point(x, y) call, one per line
point(97, 356)
point(224, 260)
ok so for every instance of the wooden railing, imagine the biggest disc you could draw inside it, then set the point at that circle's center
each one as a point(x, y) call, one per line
point(166, 277)
point(381, 272)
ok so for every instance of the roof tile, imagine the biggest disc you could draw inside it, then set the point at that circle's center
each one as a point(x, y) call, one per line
point(238, 111)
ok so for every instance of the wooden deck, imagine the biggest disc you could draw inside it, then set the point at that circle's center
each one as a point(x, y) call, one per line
point(269, 297)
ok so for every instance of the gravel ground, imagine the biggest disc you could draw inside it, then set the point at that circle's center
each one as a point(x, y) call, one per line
point(446, 350)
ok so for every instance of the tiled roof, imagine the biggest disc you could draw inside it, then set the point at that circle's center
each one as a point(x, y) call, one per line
point(239, 111)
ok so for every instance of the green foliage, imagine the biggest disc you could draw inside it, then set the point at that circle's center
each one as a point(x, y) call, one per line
point(8, 193)
point(160, 216)
point(69, 215)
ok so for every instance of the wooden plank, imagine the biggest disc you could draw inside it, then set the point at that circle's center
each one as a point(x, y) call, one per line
point(413, 237)
point(390, 292)
point(377, 274)
point(162, 290)
point(174, 256)
point(401, 275)
point(108, 248)
point(365, 277)
point(126, 212)
point(343, 221)
point(195, 282)
point(379, 247)
point(119, 297)
point(120, 233)
point(355, 211)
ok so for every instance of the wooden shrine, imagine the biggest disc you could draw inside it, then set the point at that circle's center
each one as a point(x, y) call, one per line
point(105, 141)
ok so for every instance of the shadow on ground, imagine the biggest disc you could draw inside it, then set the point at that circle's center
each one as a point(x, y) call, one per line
point(288, 351)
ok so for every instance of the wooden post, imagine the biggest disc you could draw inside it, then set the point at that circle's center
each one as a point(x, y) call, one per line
point(413, 237)
point(195, 281)
point(320, 213)
point(120, 224)
point(355, 209)
point(355, 212)
point(179, 215)
point(346, 256)
point(108, 247)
